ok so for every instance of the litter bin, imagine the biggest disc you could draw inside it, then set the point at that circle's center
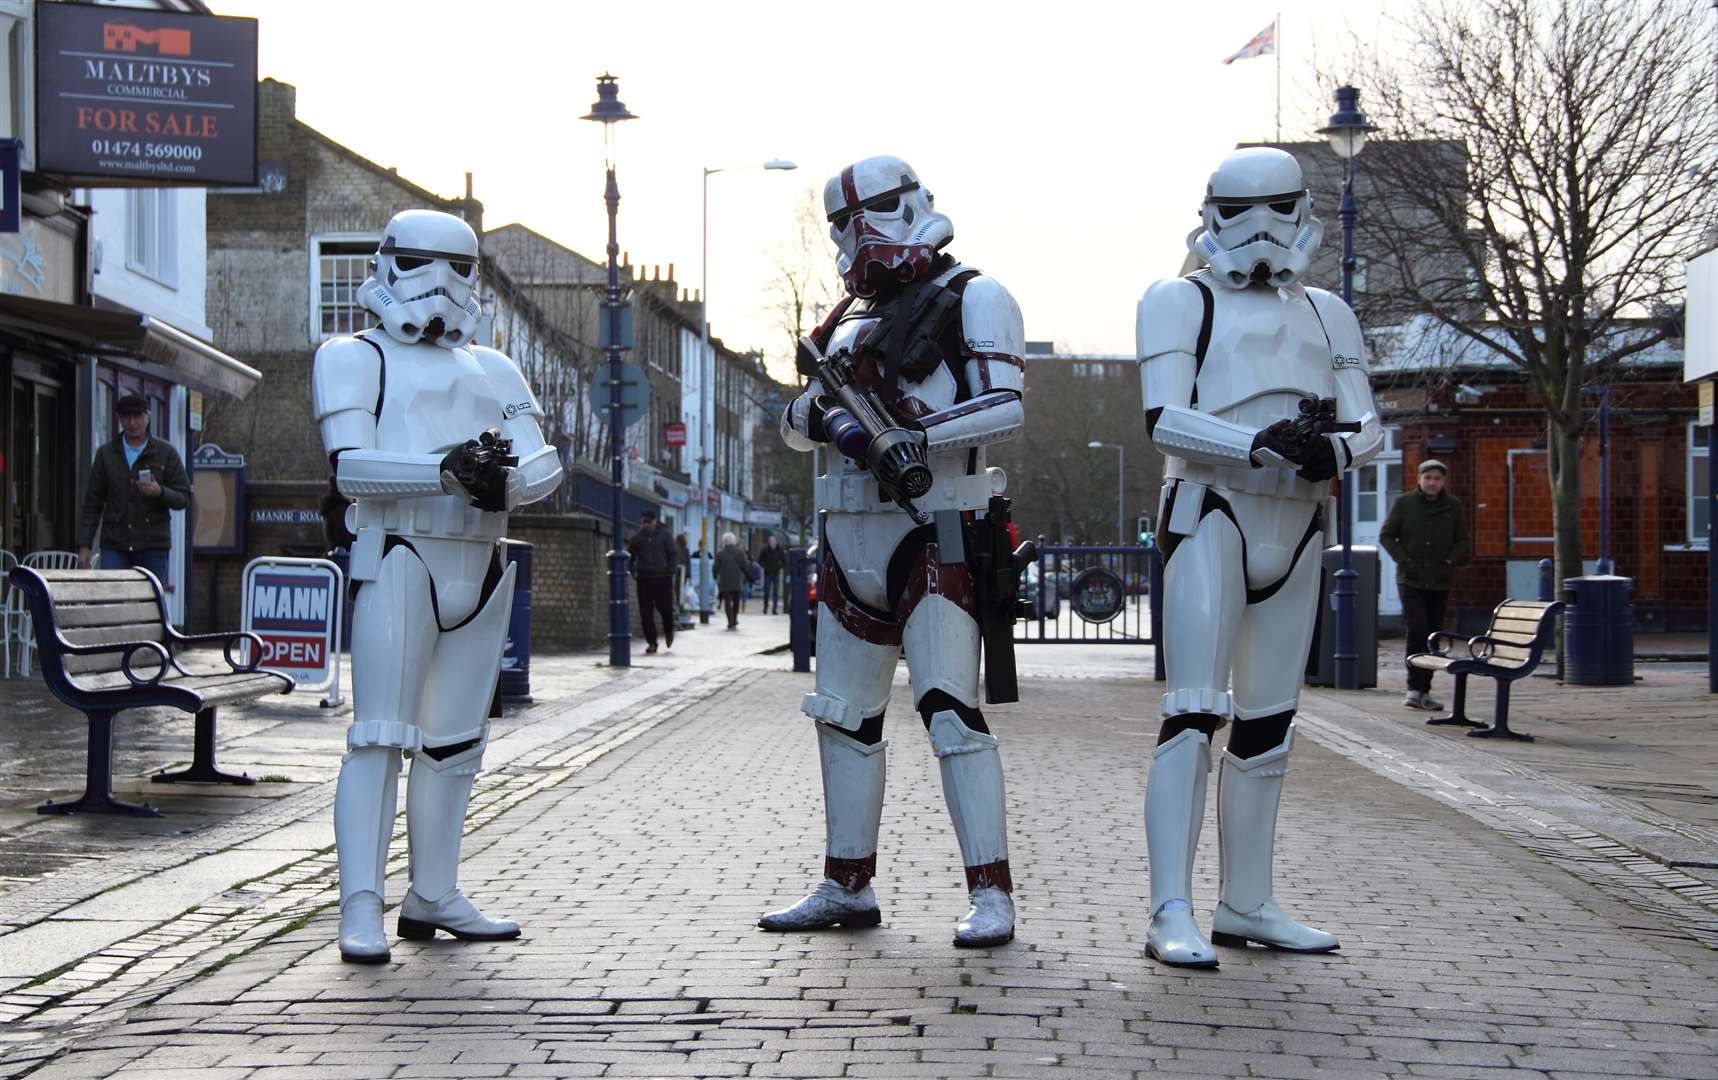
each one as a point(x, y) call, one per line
point(516, 657)
point(1598, 631)
point(1321, 662)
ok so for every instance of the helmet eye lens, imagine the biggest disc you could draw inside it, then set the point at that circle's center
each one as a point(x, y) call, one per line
point(1283, 208)
point(463, 269)
point(886, 206)
point(1229, 210)
point(409, 262)
point(840, 221)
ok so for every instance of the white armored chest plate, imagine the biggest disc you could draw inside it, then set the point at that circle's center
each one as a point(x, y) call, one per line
point(1268, 349)
point(433, 399)
point(937, 391)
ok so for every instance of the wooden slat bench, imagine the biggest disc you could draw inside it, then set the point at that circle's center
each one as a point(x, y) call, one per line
point(1509, 649)
point(105, 645)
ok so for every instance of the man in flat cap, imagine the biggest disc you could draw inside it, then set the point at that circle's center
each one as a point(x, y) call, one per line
point(1426, 533)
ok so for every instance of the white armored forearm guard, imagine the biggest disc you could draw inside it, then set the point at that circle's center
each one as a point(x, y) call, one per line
point(537, 474)
point(372, 473)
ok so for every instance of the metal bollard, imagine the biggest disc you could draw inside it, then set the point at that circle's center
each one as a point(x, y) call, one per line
point(1545, 584)
point(799, 608)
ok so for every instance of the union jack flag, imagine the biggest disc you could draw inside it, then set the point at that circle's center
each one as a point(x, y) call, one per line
point(1263, 43)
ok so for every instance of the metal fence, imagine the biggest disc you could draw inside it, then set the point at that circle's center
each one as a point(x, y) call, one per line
point(1092, 596)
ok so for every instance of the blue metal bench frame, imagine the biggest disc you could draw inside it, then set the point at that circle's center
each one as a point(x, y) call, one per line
point(1479, 661)
point(159, 687)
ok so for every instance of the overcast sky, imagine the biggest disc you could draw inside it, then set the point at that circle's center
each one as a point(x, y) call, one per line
point(1069, 142)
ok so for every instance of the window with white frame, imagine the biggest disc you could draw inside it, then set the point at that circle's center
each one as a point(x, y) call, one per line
point(152, 238)
point(340, 264)
point(1699, 476)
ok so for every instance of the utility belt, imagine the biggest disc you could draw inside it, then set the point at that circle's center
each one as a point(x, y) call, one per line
point(1279, 483)
point(441, 517)
point(857, 493)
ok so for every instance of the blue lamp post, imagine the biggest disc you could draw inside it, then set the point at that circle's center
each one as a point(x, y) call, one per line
point(608, 111)
point(1346, 133)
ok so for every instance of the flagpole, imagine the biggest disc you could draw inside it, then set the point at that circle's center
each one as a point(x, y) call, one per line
point(1277, 32)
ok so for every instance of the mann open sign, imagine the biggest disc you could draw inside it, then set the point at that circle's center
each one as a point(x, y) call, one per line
point(294, 606)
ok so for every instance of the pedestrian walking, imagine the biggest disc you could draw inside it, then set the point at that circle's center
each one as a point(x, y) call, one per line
point(133, 483)
point(683, 581)
point(772, 560)
point(1426, 533)
point(654, 556)
point(733, 569)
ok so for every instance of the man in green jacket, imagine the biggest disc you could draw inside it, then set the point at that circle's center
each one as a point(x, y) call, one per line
point(1426, 533)
point(135, 480)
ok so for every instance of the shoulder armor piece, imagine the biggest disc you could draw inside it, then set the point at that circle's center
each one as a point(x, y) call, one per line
point(347, 374)
point(1170, 317)
point(1347, 344)
point(990, 319)
point(511, 390)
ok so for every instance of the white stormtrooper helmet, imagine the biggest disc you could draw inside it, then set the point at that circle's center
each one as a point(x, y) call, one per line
point(884, 224)
point(1258, 225)
point(422, 279)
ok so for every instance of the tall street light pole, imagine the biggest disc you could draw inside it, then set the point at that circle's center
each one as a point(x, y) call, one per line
point(1347, 132)
point(1121, 474)
point(706, 379)
point(607, 110)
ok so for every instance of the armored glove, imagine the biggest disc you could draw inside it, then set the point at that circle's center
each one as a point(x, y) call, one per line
point(477, 470)
point(1276, 446)
point(1317, 460)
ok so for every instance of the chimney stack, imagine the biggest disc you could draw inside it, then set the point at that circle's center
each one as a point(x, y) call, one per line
point(468, 185)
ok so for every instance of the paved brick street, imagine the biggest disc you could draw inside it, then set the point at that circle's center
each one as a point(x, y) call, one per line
point(1481, 934)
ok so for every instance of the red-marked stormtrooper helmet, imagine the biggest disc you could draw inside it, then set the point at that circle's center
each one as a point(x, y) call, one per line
point(884, 224)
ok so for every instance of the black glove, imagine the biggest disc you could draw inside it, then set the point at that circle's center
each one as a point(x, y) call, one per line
point(334, 529)
point(479, 468)
point(1280, 439)
point(1317, 461)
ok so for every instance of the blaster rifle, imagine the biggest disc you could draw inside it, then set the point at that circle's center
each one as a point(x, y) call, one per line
point(996, 579)
point(895, 455)
point(1316, 420)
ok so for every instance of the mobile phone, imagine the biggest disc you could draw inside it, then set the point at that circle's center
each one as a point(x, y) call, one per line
point(144, 476)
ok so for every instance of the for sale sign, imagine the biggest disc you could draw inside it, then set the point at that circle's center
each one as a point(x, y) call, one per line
point(163, 96)
point(293, 605)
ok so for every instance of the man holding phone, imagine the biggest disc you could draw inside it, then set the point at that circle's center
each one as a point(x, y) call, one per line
point(133, 483)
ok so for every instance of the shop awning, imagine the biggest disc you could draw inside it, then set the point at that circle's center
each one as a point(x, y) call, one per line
point(105, 332)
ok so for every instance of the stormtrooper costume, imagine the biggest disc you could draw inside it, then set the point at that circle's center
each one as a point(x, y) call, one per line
point(942, 345)
point(401, 409)
point(1226, 357)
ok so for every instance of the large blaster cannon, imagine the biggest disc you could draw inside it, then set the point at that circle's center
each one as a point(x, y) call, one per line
point(858, 422)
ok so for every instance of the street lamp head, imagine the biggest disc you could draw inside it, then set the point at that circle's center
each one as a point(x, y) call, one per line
point(780, 164)
point(1348, 129)
point(607, 108)
point(1095, 445)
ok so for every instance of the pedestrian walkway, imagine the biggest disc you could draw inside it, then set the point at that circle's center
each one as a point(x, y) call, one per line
point(639, 861)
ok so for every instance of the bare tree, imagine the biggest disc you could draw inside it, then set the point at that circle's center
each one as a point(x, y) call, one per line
point(804, 285)
point(1536, 186)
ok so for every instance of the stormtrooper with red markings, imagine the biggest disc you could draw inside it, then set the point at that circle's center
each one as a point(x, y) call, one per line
point(435, 439)
point(941, 345)
point(1233, 359)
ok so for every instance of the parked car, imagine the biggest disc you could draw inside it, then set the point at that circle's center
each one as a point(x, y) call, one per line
point(1032, 592)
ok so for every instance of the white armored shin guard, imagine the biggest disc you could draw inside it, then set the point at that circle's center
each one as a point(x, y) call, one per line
point(365, 797)
point(971, 769)
point(436, 800)
point(1174, 811)
point(853, 781)
point(1248, 793)
point(364, 801)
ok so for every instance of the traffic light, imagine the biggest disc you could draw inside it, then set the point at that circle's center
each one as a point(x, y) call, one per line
point(1145, 528)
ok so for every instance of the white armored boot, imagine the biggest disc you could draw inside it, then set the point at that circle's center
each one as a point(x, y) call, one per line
point(1174, 812)
point(971, 769)
point(853, 778)
point(364, 801)
point(1248, 790)
point(436, 800)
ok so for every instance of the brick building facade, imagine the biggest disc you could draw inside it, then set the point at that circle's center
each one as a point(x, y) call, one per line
point(1486, 423)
